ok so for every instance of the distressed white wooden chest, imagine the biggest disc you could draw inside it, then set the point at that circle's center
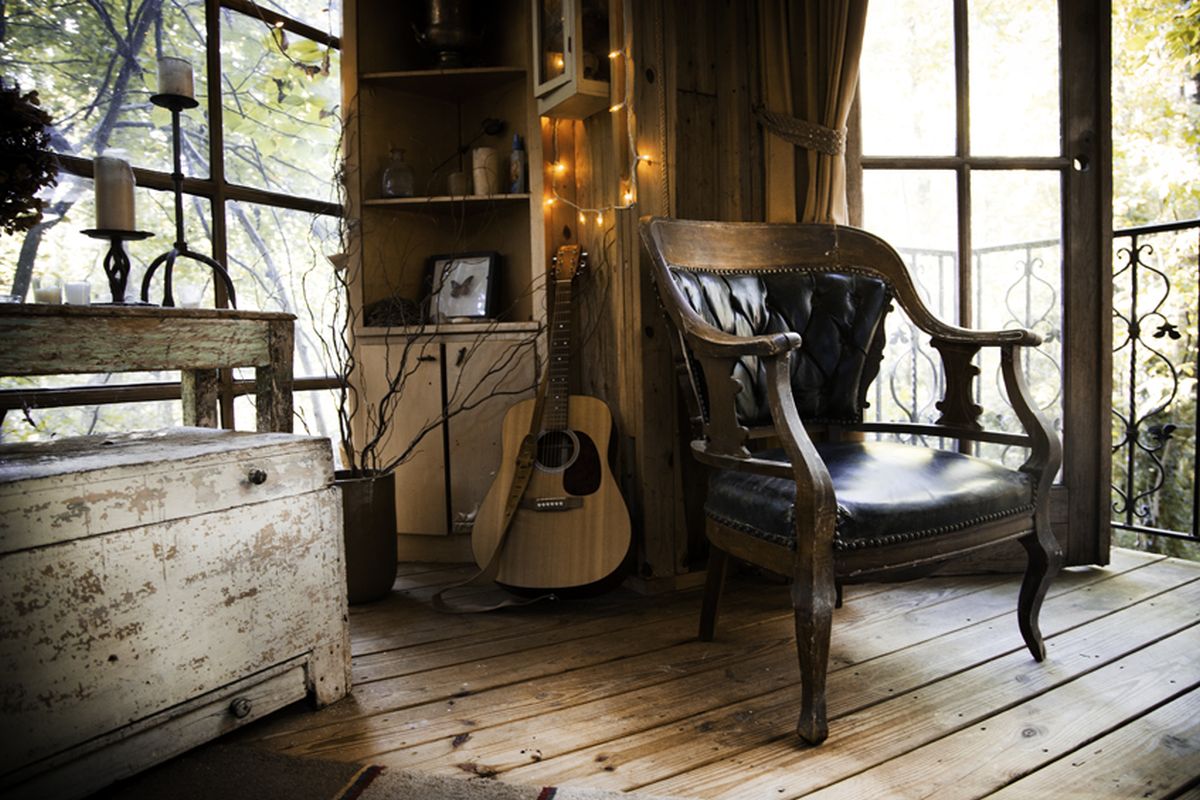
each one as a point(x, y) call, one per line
point(157, 590)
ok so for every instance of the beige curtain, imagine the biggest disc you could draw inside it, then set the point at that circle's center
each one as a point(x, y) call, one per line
point(822, 49)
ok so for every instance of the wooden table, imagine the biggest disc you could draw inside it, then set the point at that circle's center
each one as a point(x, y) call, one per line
point(42, 339)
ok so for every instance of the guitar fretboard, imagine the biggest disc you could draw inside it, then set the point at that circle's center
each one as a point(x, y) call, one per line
point(558, 389)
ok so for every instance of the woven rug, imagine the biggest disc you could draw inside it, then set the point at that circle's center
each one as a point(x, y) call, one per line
point(242, 772)
point(389, 785)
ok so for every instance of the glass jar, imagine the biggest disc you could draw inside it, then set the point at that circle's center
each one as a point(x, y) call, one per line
point(397, 175)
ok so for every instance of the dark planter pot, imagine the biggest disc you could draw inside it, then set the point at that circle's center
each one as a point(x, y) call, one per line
point(369, 517)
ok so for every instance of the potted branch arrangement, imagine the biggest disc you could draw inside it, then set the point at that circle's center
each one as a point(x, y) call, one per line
point(367, 425)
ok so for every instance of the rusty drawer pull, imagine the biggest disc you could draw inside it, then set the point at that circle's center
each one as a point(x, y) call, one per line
point(240, 707)
point(257, 476)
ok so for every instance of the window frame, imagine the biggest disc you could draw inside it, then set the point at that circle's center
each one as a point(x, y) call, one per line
point(218, 192)
point(1079, 505)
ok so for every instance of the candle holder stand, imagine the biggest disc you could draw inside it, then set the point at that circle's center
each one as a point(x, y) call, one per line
point(176, 103)
point(116, 260)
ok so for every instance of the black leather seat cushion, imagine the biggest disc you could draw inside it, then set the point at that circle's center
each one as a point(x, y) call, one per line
point(886, 493)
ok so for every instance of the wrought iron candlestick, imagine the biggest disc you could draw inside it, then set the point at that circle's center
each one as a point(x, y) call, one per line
point(116, 260)
point(176, 103)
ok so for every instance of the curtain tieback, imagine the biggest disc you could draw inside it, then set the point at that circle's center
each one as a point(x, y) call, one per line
point(802, 133)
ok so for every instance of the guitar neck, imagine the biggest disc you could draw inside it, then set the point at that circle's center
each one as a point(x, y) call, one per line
point(558, 389)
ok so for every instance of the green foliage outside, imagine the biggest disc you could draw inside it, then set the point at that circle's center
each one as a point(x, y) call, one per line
point(1156, 179)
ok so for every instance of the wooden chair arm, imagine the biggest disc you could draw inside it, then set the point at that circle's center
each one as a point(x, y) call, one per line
point(955, 335)
point(706, 340)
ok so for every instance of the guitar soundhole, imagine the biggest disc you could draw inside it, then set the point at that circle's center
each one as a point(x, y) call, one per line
point(556, 450)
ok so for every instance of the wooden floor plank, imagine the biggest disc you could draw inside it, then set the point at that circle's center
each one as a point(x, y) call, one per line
point(1152, 758)
point(680, 749)
point(617, 693)
point(557, 731)
point(502, 661)
point(984, 758)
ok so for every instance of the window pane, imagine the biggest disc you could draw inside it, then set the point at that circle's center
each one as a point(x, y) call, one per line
point(907, 79)
point(52, 423)
point(1017, 273)
point(277, 259)
point(315, 415)
point(280, 99)
point(324, 15)
point(97, 96)
point(60, 251)
point(915, 212)
point(1014, 77)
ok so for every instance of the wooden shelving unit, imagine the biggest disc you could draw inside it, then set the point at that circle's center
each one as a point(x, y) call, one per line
point(398, 97)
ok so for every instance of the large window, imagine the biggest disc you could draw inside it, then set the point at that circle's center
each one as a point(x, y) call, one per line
point(260, 190)
point(984, 138)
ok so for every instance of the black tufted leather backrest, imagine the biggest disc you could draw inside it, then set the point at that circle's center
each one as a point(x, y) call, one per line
point(839, 316)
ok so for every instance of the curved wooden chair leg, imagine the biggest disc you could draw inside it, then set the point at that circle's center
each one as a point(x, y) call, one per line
point(1045, 559)
point(812, 602)
point(714, 582)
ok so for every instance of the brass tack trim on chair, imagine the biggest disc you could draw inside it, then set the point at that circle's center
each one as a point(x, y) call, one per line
point(878, 541)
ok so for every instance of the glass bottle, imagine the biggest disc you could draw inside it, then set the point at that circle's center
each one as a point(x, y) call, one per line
point(397, 175)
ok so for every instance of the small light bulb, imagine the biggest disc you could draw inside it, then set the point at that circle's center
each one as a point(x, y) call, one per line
point(549, 201)
point(616, 107)
point(560, 167)
point(615, 54)
point(599, 218)
point(628, 197)
point(643, 158)
point(582, 218)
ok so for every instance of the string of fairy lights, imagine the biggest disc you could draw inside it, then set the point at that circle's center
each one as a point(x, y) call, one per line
point(629, 189)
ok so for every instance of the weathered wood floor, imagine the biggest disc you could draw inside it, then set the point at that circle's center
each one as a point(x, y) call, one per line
point(931, 691)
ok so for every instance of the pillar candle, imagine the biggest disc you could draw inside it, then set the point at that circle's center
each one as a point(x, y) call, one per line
point(114, 193)
point(175, 76)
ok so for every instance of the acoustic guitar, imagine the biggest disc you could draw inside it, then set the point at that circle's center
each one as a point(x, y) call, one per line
point(569, 525)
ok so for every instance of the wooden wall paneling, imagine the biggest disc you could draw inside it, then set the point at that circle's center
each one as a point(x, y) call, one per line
point(661, 517)
point(739, 165)
point(1087, 284)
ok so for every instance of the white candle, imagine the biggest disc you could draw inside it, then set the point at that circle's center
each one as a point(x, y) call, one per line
point(114, 192)
point(78, 293)
point(175, 76)
point(50, 293)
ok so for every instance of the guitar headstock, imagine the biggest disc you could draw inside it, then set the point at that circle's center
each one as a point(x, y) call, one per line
point(569, 261)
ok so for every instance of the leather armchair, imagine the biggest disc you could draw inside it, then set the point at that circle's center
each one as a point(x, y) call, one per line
point(780, 332)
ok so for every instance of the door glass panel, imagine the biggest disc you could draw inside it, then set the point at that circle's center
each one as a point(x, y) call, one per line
point(907, 79)
point(594, 30)
point(552, 33)
point(1016, 272)
point(1014, 77)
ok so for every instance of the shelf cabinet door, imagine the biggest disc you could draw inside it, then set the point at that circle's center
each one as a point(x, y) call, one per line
point(474, 436)
point(421, 480)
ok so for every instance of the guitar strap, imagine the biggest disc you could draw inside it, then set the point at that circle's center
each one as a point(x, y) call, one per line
point(520, 482)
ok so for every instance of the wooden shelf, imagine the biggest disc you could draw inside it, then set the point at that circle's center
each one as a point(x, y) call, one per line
point(462, 82)
point(444, 199)
point(496, 330)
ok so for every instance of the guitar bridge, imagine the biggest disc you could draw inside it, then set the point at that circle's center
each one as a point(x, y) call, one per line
point(551, 503)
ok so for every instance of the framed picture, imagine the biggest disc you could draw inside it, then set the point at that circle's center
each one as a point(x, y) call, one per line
point(462, 286)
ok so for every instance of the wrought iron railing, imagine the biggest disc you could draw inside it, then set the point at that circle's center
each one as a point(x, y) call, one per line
point(1014, 285)
point(1155, 430)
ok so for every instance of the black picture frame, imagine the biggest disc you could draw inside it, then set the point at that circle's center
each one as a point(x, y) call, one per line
point(462, 286)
